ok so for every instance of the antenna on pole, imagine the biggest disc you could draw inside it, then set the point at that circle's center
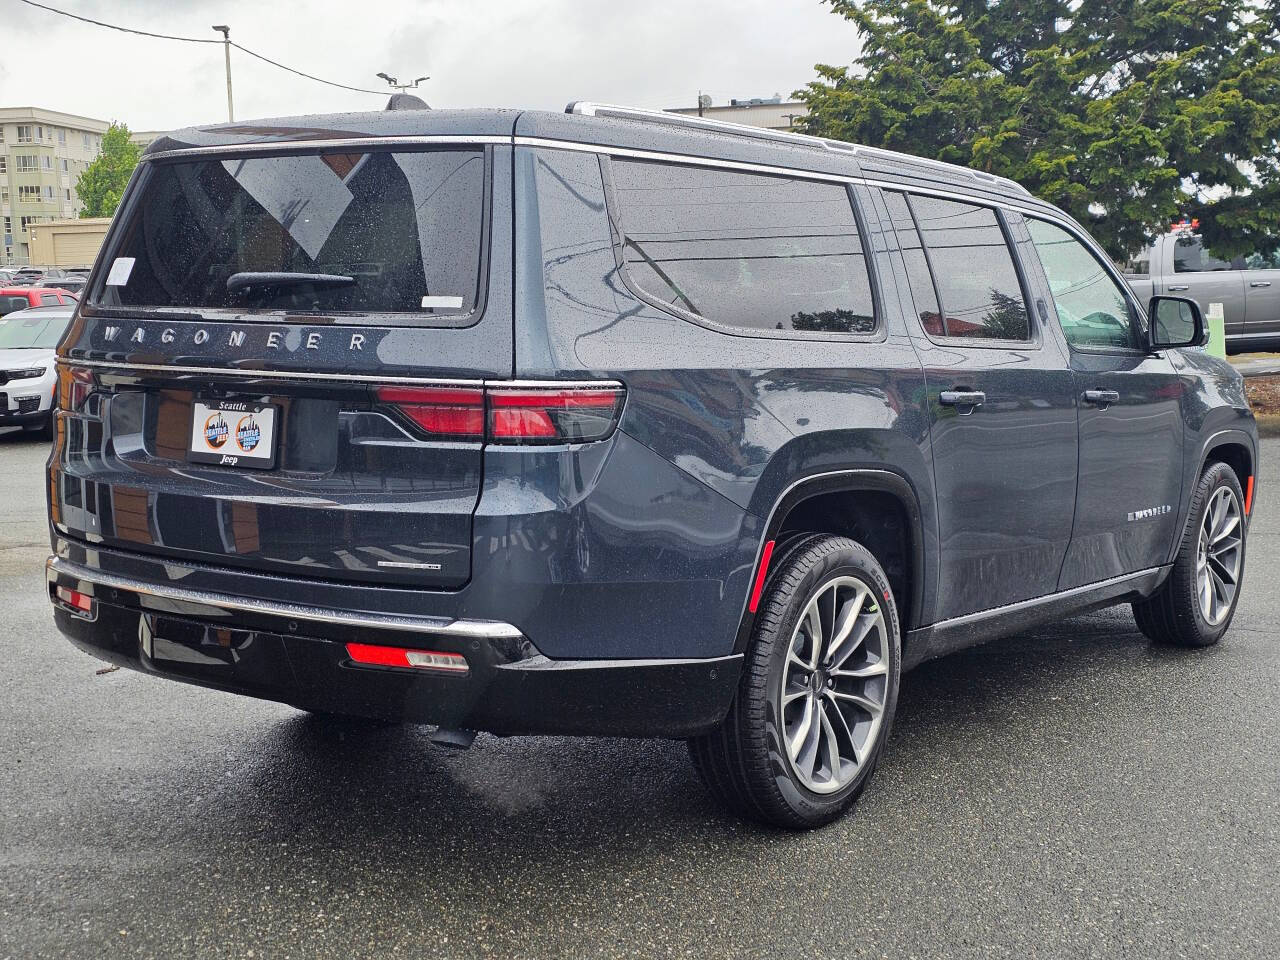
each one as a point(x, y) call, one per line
point(401, 87)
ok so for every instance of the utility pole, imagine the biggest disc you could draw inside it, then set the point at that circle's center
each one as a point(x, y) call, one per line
point(699, 103)
point(226, 47)
point(402, 87)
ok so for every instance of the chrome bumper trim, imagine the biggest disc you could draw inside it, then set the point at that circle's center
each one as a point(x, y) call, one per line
point(436, 626)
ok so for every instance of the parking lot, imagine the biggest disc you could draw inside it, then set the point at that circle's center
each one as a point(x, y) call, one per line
point(1069, 792)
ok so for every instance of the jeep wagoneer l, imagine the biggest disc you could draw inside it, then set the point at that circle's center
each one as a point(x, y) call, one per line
point(618, 423)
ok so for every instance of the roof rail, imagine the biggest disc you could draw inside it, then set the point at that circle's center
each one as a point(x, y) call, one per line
point(588, 108)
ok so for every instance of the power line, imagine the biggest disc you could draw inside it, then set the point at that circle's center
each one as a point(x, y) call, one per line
point(166, 36)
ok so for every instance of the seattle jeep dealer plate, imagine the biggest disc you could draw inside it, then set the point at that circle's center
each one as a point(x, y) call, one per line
point(233, 433)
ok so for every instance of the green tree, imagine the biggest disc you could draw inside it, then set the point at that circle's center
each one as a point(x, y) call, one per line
point(104, 180)
point(1128, 114)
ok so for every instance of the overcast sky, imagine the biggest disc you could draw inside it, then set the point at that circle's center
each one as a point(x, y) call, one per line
point(539, 53)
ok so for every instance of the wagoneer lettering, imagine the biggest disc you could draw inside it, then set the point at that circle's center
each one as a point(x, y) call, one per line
point(617, 423)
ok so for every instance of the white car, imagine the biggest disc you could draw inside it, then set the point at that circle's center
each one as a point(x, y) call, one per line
point(28, 380)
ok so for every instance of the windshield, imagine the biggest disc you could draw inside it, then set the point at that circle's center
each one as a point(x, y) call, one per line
point(43, 331)
point(406, 227)
point(10, 303)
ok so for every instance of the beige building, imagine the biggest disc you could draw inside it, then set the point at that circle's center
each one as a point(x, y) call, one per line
point(42, 154)
point(772, 113)
point(67, 243)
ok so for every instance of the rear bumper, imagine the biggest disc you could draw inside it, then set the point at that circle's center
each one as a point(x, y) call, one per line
point(297, 654)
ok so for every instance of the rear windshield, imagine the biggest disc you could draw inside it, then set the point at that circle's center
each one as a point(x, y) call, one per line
point(376, 232)
point(35, 331)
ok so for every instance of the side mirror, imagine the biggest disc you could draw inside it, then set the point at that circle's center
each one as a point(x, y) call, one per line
point(1175, 322)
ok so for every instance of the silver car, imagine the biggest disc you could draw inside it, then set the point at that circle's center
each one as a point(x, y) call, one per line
point(28, 380)
point(1248, 288)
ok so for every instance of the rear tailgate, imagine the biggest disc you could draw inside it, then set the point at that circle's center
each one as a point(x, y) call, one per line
point(223, 385)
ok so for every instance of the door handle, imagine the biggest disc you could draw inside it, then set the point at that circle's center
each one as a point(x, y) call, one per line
point(962, 398)
point(1180, 286)
point(1259, 283)
point(1103, 398)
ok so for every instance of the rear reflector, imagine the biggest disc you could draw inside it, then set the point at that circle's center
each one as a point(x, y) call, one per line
point(379, 656)
point(765, 556)
point(551, 413)
point(75, 599)
point(1248, 497)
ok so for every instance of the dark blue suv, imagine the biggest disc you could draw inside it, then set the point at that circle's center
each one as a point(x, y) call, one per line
point(620, 423)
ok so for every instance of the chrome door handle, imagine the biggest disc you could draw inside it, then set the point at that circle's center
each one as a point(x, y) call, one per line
point(1181, 286)
point(1103, 398)
point(962, 398)
point(1259, 283)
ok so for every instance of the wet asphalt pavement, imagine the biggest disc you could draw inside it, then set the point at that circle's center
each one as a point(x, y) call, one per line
point(1072, 792)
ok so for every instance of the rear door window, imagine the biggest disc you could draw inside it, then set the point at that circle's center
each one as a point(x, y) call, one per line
point(9, 304)
point(751, 251)
point(1190, 256)
point(977, 281)
point(919, 276)
point(375, 232)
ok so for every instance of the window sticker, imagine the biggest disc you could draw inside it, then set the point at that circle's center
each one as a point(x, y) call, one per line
point(120, 270)
point(442, 303)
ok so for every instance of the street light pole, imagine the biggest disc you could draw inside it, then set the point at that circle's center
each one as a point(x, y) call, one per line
point(226, 48)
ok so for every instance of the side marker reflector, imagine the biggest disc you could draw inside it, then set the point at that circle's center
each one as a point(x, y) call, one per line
point(376, 655)
point(1248, 496)
point(765, 556)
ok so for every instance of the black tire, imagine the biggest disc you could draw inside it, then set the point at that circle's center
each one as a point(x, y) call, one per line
point(42, 430)
point(744, 762)
point(1172, 615)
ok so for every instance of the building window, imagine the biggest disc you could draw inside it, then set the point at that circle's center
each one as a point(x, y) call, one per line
point(24, 134)
point(4, 163)
point(62, 136)
point(65, 168)
point(68, 193)
point(48, 162)
point(8, 224)
point(86, 140)
point(28, 194)
point(48, 193)
point(26, 163)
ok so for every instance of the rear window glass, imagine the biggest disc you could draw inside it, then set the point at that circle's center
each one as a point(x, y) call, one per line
point(977, 281)
point(745, 250)
point(377, 232)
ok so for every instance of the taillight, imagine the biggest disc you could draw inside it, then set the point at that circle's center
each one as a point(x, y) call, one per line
point(512, 413)
point(444, 412)
point(553, 414)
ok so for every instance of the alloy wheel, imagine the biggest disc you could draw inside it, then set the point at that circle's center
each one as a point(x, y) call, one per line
point(1219, 557)
point(834, 685)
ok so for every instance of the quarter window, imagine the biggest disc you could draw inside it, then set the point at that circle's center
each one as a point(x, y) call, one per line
point(977, 281)
point(744, 250)
point(1092, 309)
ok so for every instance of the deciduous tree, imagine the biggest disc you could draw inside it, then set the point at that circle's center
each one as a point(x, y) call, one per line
point(104, 180)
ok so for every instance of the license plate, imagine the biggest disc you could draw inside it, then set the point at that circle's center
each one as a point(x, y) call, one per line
point(232, 433)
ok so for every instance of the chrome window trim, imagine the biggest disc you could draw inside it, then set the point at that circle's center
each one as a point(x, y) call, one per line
point(263, 374)
point(437, 626)
point(295, 146)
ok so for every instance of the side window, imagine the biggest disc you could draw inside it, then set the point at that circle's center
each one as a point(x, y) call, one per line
point(977, 281)
point(1139, 265)
point(1190, 256)
point(1263, 261)
point(919, 276)
point(744, 250)
point(1092, 309)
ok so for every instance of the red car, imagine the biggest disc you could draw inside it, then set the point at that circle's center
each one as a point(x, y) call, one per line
point(19, 298)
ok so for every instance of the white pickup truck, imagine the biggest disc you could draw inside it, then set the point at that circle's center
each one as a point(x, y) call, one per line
point(1247, 287)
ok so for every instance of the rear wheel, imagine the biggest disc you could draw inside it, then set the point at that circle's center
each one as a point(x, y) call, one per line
point(817, 694)
point(1195, 604)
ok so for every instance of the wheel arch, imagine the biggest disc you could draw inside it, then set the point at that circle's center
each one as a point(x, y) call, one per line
point(805, 501)
point(1238, 450)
